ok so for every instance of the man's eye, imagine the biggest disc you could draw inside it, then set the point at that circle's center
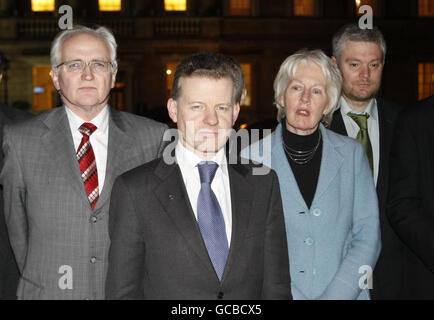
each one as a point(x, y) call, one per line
point(74, 65)
point(222, 108)
point(317, 91)
point(196, 106)
point(98, 64)
point(296, 88)
point(354, 65)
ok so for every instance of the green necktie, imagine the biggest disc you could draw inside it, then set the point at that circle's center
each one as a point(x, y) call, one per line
point(363, 136)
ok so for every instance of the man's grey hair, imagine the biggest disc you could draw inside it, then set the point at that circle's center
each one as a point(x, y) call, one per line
point(329, 69)
point(352, 32)
point(101, 32)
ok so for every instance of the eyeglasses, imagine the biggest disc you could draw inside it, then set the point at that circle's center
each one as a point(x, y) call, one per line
point(96, 66)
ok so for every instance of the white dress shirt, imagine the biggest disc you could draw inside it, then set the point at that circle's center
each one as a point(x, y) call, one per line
point(98, 139)
point(187, 162)
point(373, 129)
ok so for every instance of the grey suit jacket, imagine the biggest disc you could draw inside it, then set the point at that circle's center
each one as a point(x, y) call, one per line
point(8, 268)
point(60, 244)
point(157, 251)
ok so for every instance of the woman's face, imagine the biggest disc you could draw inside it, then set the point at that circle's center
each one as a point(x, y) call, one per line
point(305, 99)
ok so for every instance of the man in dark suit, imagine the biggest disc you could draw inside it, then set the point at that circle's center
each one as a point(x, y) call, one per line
point(411, 200)
point(360, 56)
point(59, 170)
point(8, 268)
point(196, 226)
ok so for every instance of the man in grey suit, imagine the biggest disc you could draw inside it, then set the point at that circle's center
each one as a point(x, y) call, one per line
point(8, 268)
point(60, 167)
point(196, 226)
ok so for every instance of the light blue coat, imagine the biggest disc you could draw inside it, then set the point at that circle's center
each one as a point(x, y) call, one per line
point(334, 244)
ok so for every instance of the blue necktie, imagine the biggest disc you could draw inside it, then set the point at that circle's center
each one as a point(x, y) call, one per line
point(210, 218)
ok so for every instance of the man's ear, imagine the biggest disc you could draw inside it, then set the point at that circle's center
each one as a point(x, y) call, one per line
point(235, 113)
point(55, 78)
point(172, 109)
point(114, 78)
point(243, 96)
point(1, 76)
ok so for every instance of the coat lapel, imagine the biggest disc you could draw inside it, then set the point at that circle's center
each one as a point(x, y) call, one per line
point(385, 125)
point(120, 154)
point(338, 124)
point(331, 162)
point(173, 197)
point(280, 164)
point(242, 194)
point(60, 146)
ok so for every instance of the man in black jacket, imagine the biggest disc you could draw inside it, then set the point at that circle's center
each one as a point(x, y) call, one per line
point(8, 268)
point(411, 195)
point(360, 56)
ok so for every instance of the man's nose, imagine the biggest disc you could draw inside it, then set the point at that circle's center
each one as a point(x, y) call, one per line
point(211, 117)
point(87, 72)
point(365, 72)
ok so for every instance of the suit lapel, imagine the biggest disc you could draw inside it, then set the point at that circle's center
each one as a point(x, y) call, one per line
point(338, 124)
point(242, 194)
point(331, 162)
point(60, 146)
point(283, 169)
point(173, 197)
point(120, 154)
point(385, 125)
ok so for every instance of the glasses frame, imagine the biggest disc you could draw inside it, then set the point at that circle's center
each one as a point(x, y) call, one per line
point(85, 64)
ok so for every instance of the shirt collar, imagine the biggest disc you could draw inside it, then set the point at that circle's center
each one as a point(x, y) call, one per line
point(100, 121)
point(187, 158)
point(370, 109)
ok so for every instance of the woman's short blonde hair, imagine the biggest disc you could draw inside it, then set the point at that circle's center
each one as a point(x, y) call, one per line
point(289, 68)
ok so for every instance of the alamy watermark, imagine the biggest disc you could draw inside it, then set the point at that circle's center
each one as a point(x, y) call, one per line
point(244, 145)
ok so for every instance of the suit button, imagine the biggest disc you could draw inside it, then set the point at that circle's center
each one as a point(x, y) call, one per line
point(308, 241)
point(93, 219)
point(316, 212)
point(220, 295)
point(93, 260)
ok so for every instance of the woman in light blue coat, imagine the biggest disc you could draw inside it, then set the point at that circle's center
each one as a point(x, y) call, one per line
point(328, 193)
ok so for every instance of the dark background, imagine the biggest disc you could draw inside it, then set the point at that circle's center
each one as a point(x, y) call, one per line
point(149, 38)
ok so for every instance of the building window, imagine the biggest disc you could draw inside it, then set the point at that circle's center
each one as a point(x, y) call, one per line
point(247, 70)
point(426, 80)
point(44, 93)
point(42, 5)
point(426, 8)
point(170, 73)
point(175, 5)
point(239, 7)
point(371, 3)
point(110, 5)
point(304, 7)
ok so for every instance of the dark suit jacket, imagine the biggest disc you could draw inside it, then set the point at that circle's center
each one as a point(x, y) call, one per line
point(388, 270)
point(8, 268)
point(157, 251)
point(411, 195)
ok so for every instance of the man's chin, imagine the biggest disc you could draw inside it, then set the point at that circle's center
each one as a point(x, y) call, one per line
point(362, 97)
point(208, 149)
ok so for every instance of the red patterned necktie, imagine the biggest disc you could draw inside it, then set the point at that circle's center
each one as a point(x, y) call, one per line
point(86, 160)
